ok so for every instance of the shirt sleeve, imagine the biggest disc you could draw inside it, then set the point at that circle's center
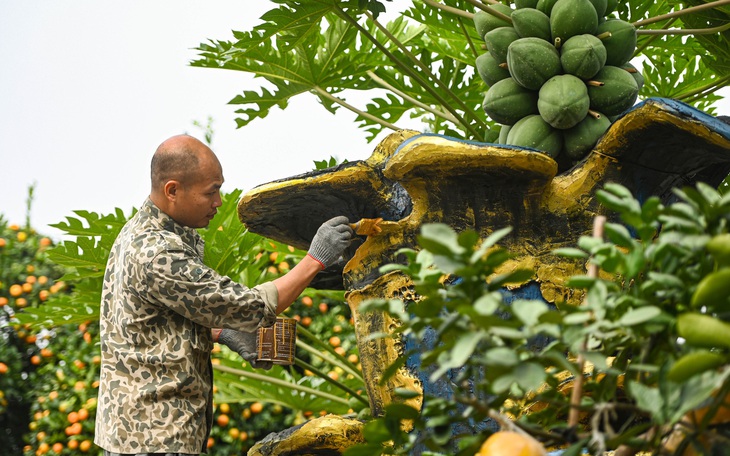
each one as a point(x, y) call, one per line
point(179, 280)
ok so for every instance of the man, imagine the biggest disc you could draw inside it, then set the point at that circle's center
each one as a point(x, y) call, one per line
point(160, 303)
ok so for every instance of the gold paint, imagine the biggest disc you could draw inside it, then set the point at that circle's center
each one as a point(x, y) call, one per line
point(376, 354)
point(330, 434)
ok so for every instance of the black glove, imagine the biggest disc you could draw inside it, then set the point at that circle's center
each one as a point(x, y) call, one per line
point(332, 238)
point(244, 344)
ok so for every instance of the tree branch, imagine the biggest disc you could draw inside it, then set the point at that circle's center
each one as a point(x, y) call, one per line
point(693, 9)
point(348, 106)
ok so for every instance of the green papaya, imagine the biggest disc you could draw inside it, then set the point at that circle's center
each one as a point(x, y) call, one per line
point(503, 132)
point(719, 248)
point(489, 70)
point(582, 56)
point(610, 6)
point(713, 291)
point(635, 73)
point(532, 61)
point(600, 7)
point(546, 6)
point(619, 38)
point(701, 330)
point(529, 22)
point(563, 101)
point(484, 22)
point(533, 132)
point(498, 40)
point(694, 363)
point(582, 138)
point(572, 17)
point(506, 102)
point(519, 4)
point(612, 91)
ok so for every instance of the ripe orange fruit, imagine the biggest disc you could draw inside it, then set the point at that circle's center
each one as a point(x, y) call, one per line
point(333, 375)
point(22, 236)
point(46, 352)
point(31, 279)
point(43, 295)
point(224, 408)
point(21, 302)
point(43, 448)
point(323, 307)
point(257, 407)
point(14, 227)
point(3, 242)
point(243, 436)
point(85, 446)
point(306, 321)
point(3, 301)
point(222, 420)
point(53, 395)
point(30, 268)
point(72, 444)
point(307, 301)
point(31, 339)
point(57, 447)
point(74, 429)
point(43, 280)
point(79, 364)
point(335, 341)
point(340, 350)
point(510, 443)
point(45, 242)
point(211, 442)
point(234, 433)
point(15, 290)
point(3, 368)
point(27, 287)
point(73, 417)
point(41, 436)
point(35, 360)
point(83, 414)
point(353, 358)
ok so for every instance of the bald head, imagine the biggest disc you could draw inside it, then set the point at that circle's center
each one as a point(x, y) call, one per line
point(178, 158)
point(183, 171)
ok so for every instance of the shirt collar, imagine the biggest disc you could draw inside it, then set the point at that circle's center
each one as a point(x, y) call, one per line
point(190, 236)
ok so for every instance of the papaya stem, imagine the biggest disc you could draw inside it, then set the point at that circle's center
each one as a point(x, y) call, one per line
point(700, 31)
point(682, 12)
point(558, 42)
point(640, 49)
point(410, 99)
point(427, 71)
point(492, 11)
point(595, 83)
point(705, 90)
point(319, 373)
point(604, 36)
point(594, 114)
point(450, 9)
point(472, 46)
point(359, 112)
point(503, 65)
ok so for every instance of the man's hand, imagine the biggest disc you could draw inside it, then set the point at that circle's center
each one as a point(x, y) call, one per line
point(332, 238)
point(244, 344)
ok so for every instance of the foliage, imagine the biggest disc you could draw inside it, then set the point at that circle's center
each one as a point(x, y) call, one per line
point(421, 64)
point(626, 329)
point(62, 361)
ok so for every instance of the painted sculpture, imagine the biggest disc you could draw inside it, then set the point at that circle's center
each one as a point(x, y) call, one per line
point(412, 179)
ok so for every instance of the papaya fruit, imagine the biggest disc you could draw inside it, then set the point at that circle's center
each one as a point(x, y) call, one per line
point(610, 7)
point(582, 138)
point(519, 4)
point(529, 22)
point(701, 330)
point(694, 363)
point(563, 101)
point(532, 61)
point(612, 91)
point(600, 6)
point(713, 291)
point(506, 102)
point(572, 17)
point(546, 6)
point(582, 56)
point(503, 132)
point(484, 22)
point(635, 73)
point(719, 248)
point(532, 131)
point(489, 70)
point(498, 40)
point(619, 39)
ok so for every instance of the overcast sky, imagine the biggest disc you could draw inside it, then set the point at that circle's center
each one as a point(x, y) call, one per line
point(88, 89)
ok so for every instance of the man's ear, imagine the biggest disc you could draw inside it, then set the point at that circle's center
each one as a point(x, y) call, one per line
point(171, 188)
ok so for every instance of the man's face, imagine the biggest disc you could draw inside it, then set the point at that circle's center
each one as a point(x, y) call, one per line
point(197, 202)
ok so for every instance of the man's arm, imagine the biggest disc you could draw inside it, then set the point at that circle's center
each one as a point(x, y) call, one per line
point(291, 284)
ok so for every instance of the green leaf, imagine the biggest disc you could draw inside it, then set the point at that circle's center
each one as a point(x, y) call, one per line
point(440, 239)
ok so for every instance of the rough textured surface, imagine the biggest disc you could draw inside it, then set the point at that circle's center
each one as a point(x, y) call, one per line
point(329, 435)
point(412, 179)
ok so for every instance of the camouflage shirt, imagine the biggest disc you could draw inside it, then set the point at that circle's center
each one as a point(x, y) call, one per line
point(158, 304)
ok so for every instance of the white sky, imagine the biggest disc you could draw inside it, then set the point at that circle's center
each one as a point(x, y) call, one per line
point(89, 88)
